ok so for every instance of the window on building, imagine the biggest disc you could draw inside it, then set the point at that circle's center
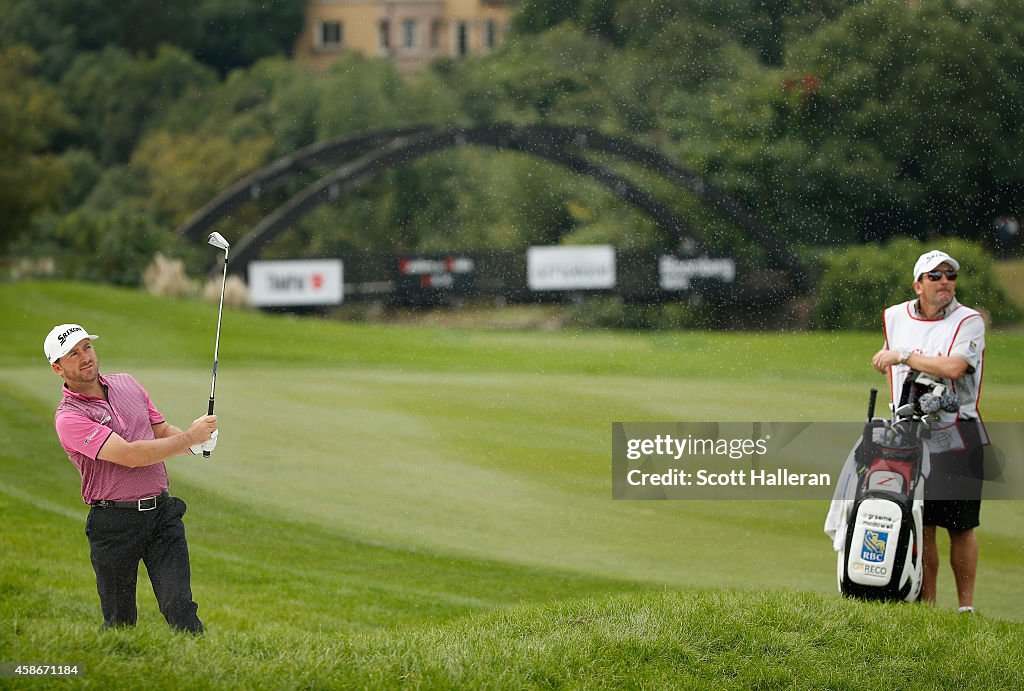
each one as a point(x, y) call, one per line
point(491, 33)
point(385, 33)
point(409, 33)
point(461, 39)
point(330, 35)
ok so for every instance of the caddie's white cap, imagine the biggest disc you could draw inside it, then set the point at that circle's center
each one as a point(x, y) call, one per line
point(62, 339)
point(929, 260)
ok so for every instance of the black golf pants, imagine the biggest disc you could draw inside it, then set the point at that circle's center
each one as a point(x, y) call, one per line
point(119, 539)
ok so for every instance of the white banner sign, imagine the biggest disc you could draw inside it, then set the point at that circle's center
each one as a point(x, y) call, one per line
point(295, 282)
point(570, 267)
point(675, 273)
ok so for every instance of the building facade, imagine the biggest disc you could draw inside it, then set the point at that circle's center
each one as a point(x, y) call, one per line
point(411, 33)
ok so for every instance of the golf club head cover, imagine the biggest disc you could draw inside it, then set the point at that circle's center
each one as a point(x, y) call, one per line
point(929, 403)
point(950, 402)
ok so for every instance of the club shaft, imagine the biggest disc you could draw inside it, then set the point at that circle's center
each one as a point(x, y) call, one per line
point(216, 343)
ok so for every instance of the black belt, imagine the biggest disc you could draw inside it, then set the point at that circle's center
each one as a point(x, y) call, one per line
point(147, 504)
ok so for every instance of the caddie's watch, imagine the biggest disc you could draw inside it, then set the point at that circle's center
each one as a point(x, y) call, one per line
point(904, 355)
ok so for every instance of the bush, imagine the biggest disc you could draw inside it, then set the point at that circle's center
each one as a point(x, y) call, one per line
point(598, 312)
point(90, 244)
point(609, 312)
point(861, 281)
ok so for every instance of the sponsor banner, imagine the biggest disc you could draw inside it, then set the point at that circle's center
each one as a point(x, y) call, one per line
point(425, 275)
point(571, 267)
point(675, 273)
point(790, 460)
point(295, 283)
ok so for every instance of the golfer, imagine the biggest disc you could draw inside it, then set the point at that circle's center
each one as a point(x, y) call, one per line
point(937, 335)
point(118, 440)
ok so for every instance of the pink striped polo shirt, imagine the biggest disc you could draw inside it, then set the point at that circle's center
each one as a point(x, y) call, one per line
point(84, 423)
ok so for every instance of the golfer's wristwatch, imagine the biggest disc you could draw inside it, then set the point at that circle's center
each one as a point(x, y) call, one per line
point(904, 355)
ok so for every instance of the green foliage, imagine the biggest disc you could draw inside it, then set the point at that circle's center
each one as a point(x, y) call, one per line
point(925, 78)
point(117, 97)
point(106, 245)
point(599, 312)
point(209, 140)
point(85, 173)
point(537, 16)
point(893, 119)
point(861, 281)
point(222, 34)
point(181, 169)
point(29, 23)
point(835, 121)
point(238, 33)
point(762, 26)
point(32, 178)
point(684, 57)
point(274, 98)
point(296, 106)
point(558, 76)
point(613, 313)
point(360, 94)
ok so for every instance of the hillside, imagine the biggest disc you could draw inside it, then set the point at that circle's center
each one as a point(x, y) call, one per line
point(420, 506)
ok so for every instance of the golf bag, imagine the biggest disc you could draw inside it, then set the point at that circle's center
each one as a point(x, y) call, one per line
point(882, 558)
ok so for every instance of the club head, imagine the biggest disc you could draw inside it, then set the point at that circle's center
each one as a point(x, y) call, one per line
point(218, 241)
point(904, 412)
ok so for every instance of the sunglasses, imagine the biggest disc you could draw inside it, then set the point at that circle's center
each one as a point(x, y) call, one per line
point(938, 273)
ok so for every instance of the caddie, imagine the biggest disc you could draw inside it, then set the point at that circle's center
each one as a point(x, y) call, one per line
point(937, 335)
point(118, 440)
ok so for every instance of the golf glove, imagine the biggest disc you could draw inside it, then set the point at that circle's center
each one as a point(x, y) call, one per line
point(208, 445)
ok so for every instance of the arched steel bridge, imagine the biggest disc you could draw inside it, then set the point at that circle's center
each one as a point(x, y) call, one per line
point(351, 161)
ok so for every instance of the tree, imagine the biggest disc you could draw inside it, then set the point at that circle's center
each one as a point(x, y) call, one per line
point(222, 34)
point(184, 171)
point(537, 16)
point(117, 97)
point(911, 84)
point(238, 33)
point(109, 245)
point(31, 178)
point(892, 119)
point(766, 26)
point(61, 29)
point(555, 76)
point(846, 301)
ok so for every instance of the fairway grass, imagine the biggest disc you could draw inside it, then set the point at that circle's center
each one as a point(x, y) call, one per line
point(427, 506)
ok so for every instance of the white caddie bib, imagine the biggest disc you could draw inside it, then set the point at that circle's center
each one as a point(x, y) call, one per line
point(936, 337)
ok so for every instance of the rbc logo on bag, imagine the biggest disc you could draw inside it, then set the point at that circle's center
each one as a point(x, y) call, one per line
point(874, 545)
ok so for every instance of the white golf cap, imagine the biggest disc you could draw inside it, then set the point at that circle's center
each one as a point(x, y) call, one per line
point(62, 339)
point(929, 260)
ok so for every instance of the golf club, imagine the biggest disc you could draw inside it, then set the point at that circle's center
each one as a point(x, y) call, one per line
point(218, 241)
